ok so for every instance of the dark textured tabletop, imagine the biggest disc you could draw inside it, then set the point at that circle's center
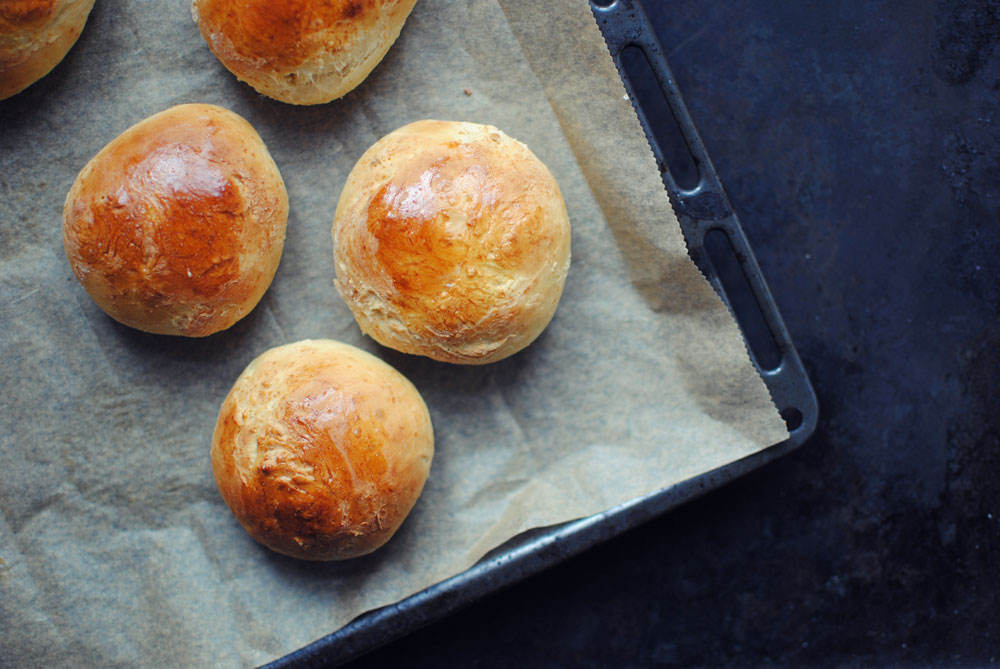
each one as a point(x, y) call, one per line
point(858, 141)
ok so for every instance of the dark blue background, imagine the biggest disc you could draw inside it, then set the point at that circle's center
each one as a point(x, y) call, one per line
point(858, 140)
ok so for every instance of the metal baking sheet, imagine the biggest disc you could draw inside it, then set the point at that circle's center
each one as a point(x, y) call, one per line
point(702, 210)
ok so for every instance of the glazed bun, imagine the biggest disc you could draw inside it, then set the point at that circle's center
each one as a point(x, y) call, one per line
point(304, 52)
point(321, 450)
point(177, 225)
point(451, 240)
point(35, 35)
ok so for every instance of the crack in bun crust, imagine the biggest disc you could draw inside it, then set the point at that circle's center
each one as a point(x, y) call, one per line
point(302, 52)
point(451, 240)
point(178, 224)
point(321, 450)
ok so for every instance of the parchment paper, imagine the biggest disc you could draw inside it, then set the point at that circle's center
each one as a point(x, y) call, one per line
point(115, 548)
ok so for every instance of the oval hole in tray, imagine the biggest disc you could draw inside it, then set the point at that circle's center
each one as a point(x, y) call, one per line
point(748, 313)
point(662, 123)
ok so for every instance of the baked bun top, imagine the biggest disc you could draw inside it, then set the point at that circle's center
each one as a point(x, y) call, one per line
point(301, 51)
point(321, 450)
point(35, 35)
point(452, 241)
point(177, 225)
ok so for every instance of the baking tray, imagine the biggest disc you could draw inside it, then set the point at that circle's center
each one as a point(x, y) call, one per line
point(719, 248)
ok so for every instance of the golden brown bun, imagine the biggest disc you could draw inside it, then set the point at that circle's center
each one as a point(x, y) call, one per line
point(451, 240)
point(304, 52)
point(321, 450)
point(177, 225)
point(35, 35)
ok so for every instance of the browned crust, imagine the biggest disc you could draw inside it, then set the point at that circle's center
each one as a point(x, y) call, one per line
point(451, 241)
point(285, 32)
point(321, 450)
point(18, 15)
point(35, 35)
point(177, 225)
point(301, 51)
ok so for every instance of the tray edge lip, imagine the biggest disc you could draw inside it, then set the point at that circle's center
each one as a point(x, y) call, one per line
point(504, 569)
point(498, 569)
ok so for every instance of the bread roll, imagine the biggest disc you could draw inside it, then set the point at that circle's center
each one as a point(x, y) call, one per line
point(451, 240)
point(177, 225)
point(321, 450)
point(35, 35)
point(304, 52)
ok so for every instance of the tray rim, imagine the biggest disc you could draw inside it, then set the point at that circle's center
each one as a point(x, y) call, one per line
point(623, 23)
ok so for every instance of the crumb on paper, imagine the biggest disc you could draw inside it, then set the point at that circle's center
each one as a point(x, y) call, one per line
point(467, 92)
